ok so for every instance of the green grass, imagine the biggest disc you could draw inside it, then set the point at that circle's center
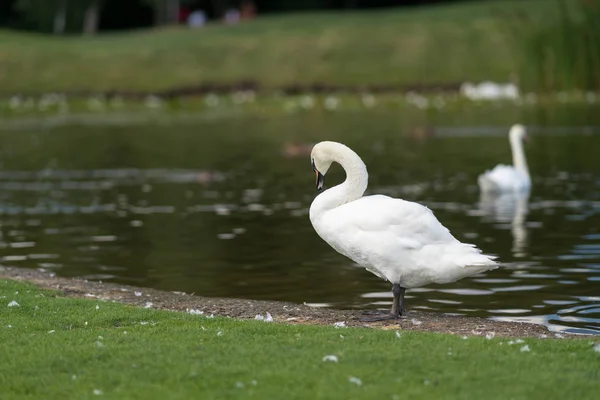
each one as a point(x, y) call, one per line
point(435, 44)
point(57, 348)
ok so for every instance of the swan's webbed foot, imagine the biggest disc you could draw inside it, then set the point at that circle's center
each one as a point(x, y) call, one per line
point(383, 316)
point(375, 312)
point(397, 308)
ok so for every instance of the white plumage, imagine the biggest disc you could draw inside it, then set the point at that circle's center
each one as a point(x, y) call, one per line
point(397, 240)
point(509, 178)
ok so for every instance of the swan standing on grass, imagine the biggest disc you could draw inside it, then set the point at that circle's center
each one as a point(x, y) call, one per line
point(509, 178)
point(396, 240)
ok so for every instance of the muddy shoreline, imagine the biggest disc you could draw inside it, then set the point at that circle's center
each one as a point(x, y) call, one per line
point(254, 86)
point(281, 311)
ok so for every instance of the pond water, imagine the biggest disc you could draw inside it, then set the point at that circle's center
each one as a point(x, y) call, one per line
point(219, 207)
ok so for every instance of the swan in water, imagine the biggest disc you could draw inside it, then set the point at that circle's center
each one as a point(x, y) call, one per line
point(397, 240)
point(509, 178)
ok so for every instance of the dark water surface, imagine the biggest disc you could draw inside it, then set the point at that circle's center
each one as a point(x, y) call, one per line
point(220, 208)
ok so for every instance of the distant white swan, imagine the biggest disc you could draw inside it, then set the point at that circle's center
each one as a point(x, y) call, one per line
point(394, 239)
point(509, 178)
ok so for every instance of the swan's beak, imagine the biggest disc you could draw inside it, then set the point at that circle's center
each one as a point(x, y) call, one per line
point(320, 180)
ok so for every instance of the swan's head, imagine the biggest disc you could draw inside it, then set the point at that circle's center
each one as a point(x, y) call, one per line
point(518, 133)
point(321, 157)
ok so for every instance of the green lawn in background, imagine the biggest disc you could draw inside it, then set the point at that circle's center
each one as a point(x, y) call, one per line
point(435, 44)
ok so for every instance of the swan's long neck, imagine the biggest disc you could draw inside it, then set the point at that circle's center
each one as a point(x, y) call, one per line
point(518, 155)
point(351, 189)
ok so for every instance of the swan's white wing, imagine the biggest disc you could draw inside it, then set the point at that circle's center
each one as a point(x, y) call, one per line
point(411, 223)
point(501, 179)
point(399, 240)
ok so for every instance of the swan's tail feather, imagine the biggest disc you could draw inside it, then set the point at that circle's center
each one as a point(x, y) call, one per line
point(468, 256)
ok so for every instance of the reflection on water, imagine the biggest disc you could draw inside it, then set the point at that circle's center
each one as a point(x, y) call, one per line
point(508, 208)
point(181, 208)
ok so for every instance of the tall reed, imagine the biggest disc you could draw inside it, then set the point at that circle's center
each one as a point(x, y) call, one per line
point(558, 52)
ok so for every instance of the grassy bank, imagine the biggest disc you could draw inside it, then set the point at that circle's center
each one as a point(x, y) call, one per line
point(405, 110)
point(436, 44)
point(55, 347)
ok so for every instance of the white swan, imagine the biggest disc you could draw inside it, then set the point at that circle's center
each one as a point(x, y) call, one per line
point(394, 239)
point(509, 178)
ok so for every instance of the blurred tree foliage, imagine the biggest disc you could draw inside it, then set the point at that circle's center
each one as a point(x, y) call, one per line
point(89, 16)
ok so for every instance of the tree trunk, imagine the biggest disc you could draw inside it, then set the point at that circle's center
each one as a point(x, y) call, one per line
point(91, 17)
point(172, 12)
point(60, 17)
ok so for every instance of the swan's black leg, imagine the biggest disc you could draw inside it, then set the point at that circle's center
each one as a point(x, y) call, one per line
point(397, 307)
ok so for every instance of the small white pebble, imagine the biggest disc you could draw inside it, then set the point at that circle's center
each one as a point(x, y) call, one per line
point(239, 385)
point(97, 307)
point(143, 322)
point(465, 337)
point(124, 332)
point(398, 335)
point(137, 294)
point(52, 331)
point(559, 336)
point(98, 392)
point(211, 316)
point(13, 304)
point(355, 380)
point(73, 377)
point(194, 311)
point(490, 335)
point(85, 323)
point(525, 348)
point(416, 322)
point(340, 324)
point(511, 342)
point(597, 347)
point(342, 337)
point(519, 341)
point(9, 325)
point(219, 333)
point(330, 357)
point(148, 304)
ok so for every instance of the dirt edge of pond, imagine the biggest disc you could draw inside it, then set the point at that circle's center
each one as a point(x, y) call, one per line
point(289, 313)
point(223, 88)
